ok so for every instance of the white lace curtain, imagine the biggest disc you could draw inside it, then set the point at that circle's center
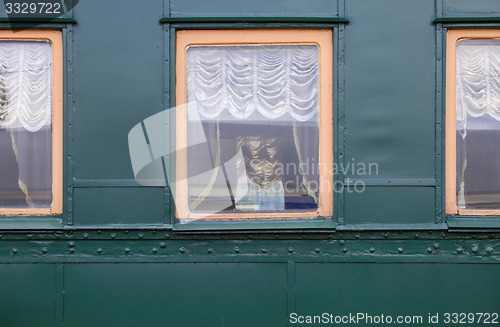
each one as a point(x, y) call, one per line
point(25, 84)
point(478, 80)
point(271, 79)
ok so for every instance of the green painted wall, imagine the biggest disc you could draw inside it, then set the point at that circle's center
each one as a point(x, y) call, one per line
point(116, 261)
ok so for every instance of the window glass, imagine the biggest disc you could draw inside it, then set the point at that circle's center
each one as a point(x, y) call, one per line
point(258, 107)
point(25, 124)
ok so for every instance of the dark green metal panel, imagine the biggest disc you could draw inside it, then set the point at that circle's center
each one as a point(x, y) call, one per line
point(118, 205)
point(27, 295)
point(397, 289)
point(471, 8)
point(118, 81)
point(197, 294)
point(390, 205)
point(389, 91)
point(318, 8)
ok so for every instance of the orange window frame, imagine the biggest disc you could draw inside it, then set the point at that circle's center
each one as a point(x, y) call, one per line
point(452, 38)
point(55, 38)
point(323, 38)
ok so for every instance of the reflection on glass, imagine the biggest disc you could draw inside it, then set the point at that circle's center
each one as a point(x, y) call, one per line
point(478, 124)
point(257, 106)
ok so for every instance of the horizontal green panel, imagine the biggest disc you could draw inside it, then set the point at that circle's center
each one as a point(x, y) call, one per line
point(186, 8)
point(390, 205)
point(196, 294)
point(37, 20)
point(471, 8)
point(27, 295)
point(397, 289)
point(118, 205)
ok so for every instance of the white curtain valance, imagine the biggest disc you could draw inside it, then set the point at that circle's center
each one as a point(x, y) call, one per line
point(478, 80)
point(271, 79)
point(25, 84)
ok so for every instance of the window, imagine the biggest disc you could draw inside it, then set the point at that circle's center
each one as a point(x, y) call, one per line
point(258, 127)
point(30, 122)
point(473, 122)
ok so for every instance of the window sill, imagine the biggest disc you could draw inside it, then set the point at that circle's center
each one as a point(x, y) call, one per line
point(477, 223)
point(327, 225)
point(32, 223)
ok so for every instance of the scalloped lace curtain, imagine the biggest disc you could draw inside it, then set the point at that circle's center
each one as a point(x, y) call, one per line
point(25, 84)
point(478, 80)
point(272, 80)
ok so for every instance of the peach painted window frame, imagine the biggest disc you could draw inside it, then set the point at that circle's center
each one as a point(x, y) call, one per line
point(55, 38)
point(452, 38)
point(323, 38)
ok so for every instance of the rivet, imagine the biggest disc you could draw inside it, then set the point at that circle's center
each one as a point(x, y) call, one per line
point(317, 250)
point(14, 250)
point(357, 236)
point(30, 236)
point(163, 245)
point(460, 250)
point(429, 250)
point(154, 250)
point(1, 236)
point(236, 249)
point(182, 250)
point(290, 250)
point(386, 235)
point(372, 249)
point(344, 250)
point(71, 244)
point(303, 236)
point(112, 235)
point(126, 231)
point(167, 236)
point(99, 232)
point(416, 235)
point(140, 235)
point(210, 250)
point(250, 236)
point(330, 236)
point(436, 246)
point(72, 250)
point(401, 250)
point(443, 235)
point(475, 248)
point(58, 236)
point(85, 235)
point(489, 250)
point(127, 250)
point(341, 242)
point(277, 236)
point(153, 232)
point(44, 250)
point(99, 250)
point(223, 237)
point(430, 232)
point(263, 250)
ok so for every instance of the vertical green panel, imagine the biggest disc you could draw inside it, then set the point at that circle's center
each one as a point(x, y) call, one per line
point(389, 88)
point(118, 81)
point(184, 294)
point(397, 289)
point(118, 205)
point(315, 8)
point(390, 205)
point(27, 295)
point(471, 8)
